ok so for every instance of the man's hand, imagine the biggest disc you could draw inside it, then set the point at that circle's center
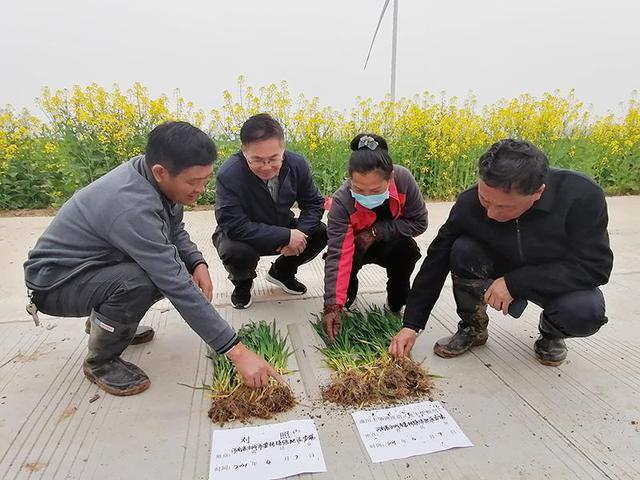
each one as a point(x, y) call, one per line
point(402, 343)
point(297, 242)
point(498, 296)
point(331, 320)
point(253, 369)
point(202, 279)
point(364, 240)
point(287, 251)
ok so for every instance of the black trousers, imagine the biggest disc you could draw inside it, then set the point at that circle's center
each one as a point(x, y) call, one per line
point(121, 292)
point(574, 314)
point(398, 256)
point(241, 259)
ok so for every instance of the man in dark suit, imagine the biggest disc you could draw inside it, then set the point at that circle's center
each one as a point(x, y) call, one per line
point(255, 191)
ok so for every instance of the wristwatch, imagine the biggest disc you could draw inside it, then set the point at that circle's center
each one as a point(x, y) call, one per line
point(417, 330)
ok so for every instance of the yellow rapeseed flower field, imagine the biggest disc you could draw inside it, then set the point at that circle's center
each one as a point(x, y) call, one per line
point(89, 130)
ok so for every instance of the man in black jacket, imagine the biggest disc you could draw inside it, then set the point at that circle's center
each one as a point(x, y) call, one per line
point(524, 232)
point(255, 190)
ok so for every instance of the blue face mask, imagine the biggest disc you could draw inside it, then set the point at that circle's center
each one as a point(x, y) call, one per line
point(370, 201)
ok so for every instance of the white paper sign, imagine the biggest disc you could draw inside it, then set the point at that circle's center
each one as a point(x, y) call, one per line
point(408, 430)
point(266, 452)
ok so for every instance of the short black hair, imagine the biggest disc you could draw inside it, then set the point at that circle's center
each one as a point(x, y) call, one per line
point(178, 146)
point(514, 165)
point(364, 160)
point(260, 127)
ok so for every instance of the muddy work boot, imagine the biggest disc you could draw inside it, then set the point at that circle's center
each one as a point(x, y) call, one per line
point(103, 365)
point(470, 334)
point(550, 351)
point(144, 333)
point(550, 348)
point(472, 328)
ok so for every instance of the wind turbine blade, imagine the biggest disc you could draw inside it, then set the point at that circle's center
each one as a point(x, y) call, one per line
point(384, 9)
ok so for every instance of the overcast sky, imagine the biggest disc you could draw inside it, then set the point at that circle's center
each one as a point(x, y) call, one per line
point(495, 48)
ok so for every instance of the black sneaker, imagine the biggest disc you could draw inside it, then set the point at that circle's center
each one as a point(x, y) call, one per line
point(241, 296)
point(289, 284)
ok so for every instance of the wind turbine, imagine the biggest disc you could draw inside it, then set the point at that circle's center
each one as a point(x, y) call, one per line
point(394, 44)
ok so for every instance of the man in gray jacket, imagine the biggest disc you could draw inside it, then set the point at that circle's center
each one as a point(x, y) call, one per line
point(119, 245)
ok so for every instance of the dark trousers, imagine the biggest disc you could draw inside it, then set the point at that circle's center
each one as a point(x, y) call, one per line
point(241, 259)
point(122, 293)
point(398, 257)
point(574, 314)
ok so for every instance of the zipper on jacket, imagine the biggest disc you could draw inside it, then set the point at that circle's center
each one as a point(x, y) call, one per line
point(519, 236)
